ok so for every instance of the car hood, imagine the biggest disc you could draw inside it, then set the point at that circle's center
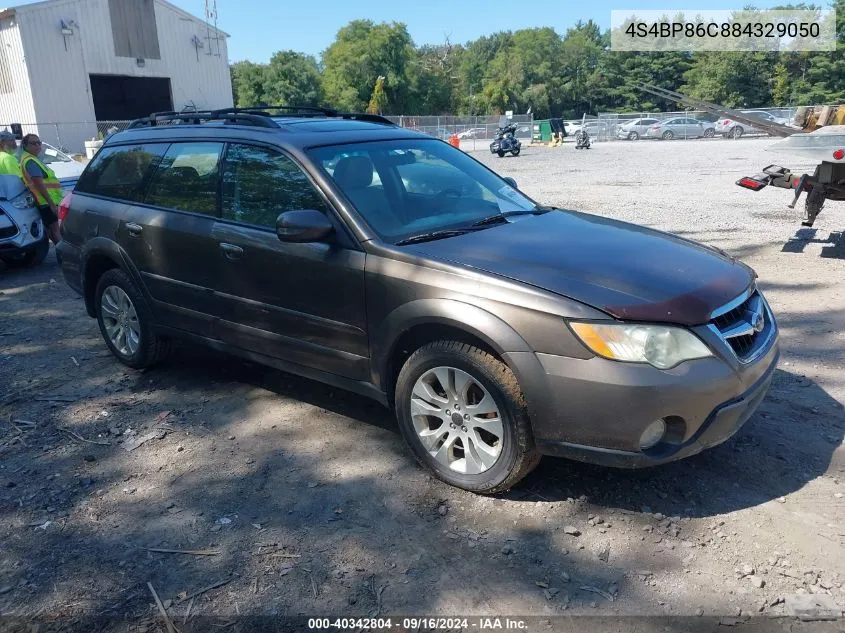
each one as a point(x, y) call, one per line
point(67, 170)
point(625, 270)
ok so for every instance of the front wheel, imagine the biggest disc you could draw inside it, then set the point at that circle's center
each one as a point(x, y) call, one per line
point(709, 132)
point(737, 132)
point(500, 154)
point(668, 135)
point(126, 321)
point(633, 136)
point(464, 417)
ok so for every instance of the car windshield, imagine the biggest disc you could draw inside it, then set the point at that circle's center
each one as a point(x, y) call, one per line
point(404, 188)
point(51, 155)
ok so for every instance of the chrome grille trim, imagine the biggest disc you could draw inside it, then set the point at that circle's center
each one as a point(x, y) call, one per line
point(735, 324)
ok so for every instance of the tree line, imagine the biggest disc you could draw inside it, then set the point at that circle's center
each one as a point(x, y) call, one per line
point(378, 68)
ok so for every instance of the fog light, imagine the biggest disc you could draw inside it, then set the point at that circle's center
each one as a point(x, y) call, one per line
point(35, 229)
point(653, 433)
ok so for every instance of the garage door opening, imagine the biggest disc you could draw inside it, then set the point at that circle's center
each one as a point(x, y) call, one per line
point(119, 98)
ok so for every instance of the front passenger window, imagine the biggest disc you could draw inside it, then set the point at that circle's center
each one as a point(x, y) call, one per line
point(260, 183)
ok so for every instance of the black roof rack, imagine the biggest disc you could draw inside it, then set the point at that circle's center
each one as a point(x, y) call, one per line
point(311, 111)
point(195, 118)
point(259, 116)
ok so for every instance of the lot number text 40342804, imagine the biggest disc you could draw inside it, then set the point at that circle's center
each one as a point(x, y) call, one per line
point(418, 623)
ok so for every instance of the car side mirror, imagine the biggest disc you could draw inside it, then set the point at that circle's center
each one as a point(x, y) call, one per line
point(303, 225)
point(510, 181)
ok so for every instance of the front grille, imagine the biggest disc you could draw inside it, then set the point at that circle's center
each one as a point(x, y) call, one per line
point(745, 325)
point(7, 231)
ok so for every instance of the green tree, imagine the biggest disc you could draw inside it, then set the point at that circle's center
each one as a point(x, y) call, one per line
point(248, 79)
point(292, 79)
point(434, 84)
point(473, 69)
point(734, 79)
point(581, 51)
point(361, 52)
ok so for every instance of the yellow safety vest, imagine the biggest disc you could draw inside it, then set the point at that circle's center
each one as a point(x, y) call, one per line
point(9, 165)
point(54, 187)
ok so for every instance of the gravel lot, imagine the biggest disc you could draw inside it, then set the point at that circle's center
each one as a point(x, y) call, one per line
point(303, 500)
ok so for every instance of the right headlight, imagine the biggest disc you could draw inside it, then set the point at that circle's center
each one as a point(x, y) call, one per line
point(661, 346)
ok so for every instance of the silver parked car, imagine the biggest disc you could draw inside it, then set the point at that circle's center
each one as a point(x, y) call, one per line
point(681, 127)
point(632, 130)
point(23, 240)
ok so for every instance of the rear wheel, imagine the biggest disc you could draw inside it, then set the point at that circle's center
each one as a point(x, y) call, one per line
point(737, 131)
point(464, 417)
point(516, 151)
point(633, 136)
point(126, 321)
point(709, 132)
point(668, 135)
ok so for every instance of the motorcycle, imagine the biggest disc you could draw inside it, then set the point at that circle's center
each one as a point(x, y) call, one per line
point(505, 141)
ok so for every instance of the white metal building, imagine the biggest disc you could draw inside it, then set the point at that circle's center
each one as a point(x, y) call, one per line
point(66, 64)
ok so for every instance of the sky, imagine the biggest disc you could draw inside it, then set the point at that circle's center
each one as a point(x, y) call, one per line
point(259, 28)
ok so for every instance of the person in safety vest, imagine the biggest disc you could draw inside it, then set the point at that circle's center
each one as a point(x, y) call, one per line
point(43, 184)
point(9, 165)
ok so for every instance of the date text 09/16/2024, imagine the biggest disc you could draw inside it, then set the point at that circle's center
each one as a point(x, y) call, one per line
point(419, 623)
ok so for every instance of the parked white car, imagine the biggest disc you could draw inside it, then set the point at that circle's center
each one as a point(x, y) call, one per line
point(61, 163)
point(571, 127)
point(733, 129)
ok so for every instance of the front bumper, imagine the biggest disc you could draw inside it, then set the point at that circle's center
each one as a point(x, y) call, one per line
point(596, 410)
point(25, 227)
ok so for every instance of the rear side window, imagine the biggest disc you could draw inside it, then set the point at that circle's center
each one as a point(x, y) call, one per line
point(120, 172)
point(186, 178)
point(260, 183)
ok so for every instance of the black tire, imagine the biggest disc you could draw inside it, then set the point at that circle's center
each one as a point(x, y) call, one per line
point(737, 132)
point(152, 349)
point(668, 135)
point(31, 258)
point(516, 151)
point(501, 154)
point(633, 136)
point(518, 455)
point(709, 132)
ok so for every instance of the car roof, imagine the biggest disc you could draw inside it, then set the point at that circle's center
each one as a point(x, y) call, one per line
point(292, 132)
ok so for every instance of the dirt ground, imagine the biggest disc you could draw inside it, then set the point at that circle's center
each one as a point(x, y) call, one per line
point(299, 499)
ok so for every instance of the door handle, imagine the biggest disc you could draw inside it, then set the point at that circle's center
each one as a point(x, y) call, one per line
point(231, 251)
point(134, 229)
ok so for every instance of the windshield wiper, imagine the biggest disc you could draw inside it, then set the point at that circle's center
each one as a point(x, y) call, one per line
point(498, 218)
point(433, 235)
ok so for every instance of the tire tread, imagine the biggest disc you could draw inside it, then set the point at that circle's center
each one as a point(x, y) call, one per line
point(527, 455)
point(154, 348)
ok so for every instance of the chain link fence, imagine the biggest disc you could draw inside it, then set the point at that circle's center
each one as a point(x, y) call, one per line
point(474, 132)
point(609, 126)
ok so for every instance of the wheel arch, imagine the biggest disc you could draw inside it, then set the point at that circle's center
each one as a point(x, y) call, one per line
point(414, 324)
point(100, 255)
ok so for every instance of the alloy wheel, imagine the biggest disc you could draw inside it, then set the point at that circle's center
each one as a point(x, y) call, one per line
point(120, 320)
point(456, 420)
